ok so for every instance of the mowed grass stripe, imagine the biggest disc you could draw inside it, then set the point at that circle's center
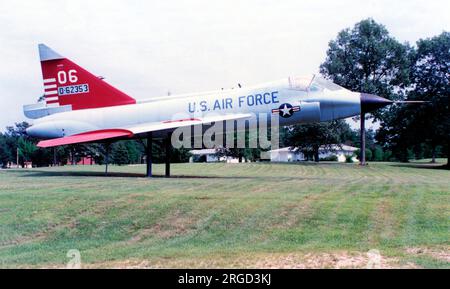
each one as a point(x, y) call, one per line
point(221, 211)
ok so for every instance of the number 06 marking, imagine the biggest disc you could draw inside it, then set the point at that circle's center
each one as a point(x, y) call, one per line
point(62, 76)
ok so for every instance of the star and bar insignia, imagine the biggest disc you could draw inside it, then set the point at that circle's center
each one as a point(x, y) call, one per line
point(286, 110)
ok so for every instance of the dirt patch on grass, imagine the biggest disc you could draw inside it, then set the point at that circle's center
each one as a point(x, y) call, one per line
point(336, 260)
point(174, 224)
point(384, 224)
point(66, 223)
point(442, 254)
point(291, 213)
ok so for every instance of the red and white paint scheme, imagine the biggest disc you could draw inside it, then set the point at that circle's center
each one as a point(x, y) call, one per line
point(80, 107)
point(66, 83)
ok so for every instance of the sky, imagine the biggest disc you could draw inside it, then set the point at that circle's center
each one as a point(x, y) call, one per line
point(147, 48)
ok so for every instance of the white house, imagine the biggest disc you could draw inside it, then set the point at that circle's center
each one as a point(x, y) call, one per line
point(341, 152)
point(209, 156)
point(285, 155)
point(292, 155)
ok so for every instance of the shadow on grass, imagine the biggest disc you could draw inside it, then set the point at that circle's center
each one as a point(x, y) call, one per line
point(124, 175)
point(431, 166)
point(36, 173)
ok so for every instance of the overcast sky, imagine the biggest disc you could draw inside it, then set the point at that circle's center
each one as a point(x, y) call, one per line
point(147, 48)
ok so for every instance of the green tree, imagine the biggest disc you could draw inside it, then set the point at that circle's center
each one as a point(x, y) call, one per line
point(17, 141)
point(409, 126)
point(119, 154)
point(370, 138)
point(377, 154)
point(5, 152)
point(369, 155)
point(367, 59)
point(26, 149)
point(431, 76)
point(134, 153)
point(18, 130)
point(246, 153)
point(308, 138)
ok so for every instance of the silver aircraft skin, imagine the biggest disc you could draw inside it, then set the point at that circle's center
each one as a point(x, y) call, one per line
point(321, 105)
point(69, 112)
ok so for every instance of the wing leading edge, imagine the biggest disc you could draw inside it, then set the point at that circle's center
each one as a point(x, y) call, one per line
point(89, 136)
point(128, 132)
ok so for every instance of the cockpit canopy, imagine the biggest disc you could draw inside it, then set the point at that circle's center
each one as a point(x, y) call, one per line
point(312, 83)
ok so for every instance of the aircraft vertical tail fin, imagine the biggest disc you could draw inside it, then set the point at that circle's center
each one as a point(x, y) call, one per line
point(66, 83)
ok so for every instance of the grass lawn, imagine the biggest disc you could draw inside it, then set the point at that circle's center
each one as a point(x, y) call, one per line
point(227, 215)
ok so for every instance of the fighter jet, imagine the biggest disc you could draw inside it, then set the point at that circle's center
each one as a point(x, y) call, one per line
point(80, 107)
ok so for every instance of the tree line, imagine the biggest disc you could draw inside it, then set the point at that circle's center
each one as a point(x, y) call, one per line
point(367, 59)
point(16, 145)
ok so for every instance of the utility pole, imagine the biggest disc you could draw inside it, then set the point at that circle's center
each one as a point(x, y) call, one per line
point(168, 149)
point(148, 150)
point(107, 145)
point(54, 156)
point(72, 154)
point(362, 150)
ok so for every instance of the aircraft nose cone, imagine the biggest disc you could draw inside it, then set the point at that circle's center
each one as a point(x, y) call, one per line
point(370, 102)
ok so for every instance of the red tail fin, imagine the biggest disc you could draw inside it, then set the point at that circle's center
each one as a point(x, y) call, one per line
point(66, 83)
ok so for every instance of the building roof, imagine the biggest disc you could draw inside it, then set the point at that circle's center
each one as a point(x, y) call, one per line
point(203, 152)
point(285, 149)
point(334, 147)
point(341, 147)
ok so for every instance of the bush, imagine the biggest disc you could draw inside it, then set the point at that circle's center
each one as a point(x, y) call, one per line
point(199, 158)
point(377, 154)
point(388, 156)
point(332, 158)
point(368, 154)
point(349, 159)
point(120, 154)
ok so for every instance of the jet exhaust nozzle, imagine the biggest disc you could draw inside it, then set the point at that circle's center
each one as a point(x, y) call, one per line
point(371, 102)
